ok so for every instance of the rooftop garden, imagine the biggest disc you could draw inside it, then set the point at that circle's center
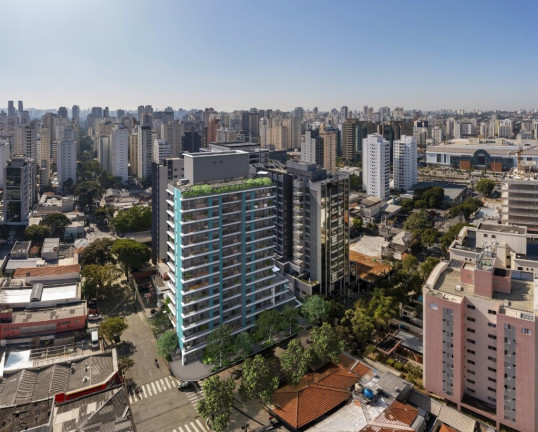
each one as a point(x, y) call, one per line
point(208, 189)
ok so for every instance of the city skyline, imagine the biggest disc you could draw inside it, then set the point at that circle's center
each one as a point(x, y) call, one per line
point(239, 54)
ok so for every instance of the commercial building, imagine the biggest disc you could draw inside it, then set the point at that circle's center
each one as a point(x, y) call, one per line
point(376, 166)
point(67, 161)
point(256, 154)
point(221, 248)
point(405, 163)
point(19, 190)
point(519, 195)
point(480, 332)
point(161, 150)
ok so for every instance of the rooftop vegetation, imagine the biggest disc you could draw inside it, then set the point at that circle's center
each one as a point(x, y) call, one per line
point(208, 189)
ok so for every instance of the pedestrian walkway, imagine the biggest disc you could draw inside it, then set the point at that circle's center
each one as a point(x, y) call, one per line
point(194, 426)
point(194, 396)
point(153, 388)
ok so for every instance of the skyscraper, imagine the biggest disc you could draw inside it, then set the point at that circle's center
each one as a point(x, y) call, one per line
point(312, 148)
point(405, 163)
point(62, 112)
point(67, 161)
point(75, 114)
point(145, 150)
point(4, 156)
point(376, 166)
point(161, 150)
point(26, 141)
point(119, 152)
point(222, 236)
point(350, 139)
point(19, 190)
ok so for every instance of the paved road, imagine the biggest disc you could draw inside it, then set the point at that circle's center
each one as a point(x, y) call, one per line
point(160, 406)
point(97, 233)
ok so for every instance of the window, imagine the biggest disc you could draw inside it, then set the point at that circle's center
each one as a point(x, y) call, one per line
point(493, 359)
point(492, 379)
point(491, 347)
point(434, 306)
point(507, 327)
point(492, 399)
point(491, 389)
point(492, 369)
point(492, 312)
point(526, 331)
point(471, 351)
point(471, 341)
point(470, 306)
point(493, 236)
point(491, 336)
point(470, 330)
point(470, 362)
point(471, 319)
point(470, 381)
point(485, 235)
point(492, 325)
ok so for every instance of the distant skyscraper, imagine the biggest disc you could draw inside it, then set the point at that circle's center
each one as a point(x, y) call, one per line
point(191, 142)
point(75, 114)
point(312, 148)
point(119, 152)
point(330, 143)
point(20, 106)
point(120, 114)
point(344, 112)
point(11, 109)
point(145, 150)
point(4, 156)
point(62, 112)
point(26, 141)
point(67, 161)
point(376, 166)
point(405, 163)
point(161, 150)
point(350, 139)
point(106, 113)
point(19, 190)
point(45, 141)
point(299, 113)
point(172, 132)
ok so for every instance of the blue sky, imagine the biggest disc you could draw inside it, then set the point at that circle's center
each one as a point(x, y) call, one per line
point(274, 54)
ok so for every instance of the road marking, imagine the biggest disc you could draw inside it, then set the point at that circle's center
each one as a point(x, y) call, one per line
point(154, 388)
point(149, 390)
point(186, 427)
point(180, 429)
point(143, 391)
point(165, 384)
point(200, 424)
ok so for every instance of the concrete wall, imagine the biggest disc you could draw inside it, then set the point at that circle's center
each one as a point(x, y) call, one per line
point(208, 167)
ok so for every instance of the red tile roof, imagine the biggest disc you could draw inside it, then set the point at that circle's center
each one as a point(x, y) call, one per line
point(445, 428)
point(314, 396)
point(371, 428)
point(46, 271)
point(362, 370)
point(398, 414)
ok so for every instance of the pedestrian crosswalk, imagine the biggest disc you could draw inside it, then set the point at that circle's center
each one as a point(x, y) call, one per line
point(194, 426)
point(151, 389)
point(195, 396)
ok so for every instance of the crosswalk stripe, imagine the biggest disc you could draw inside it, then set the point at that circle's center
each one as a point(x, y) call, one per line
point(187, 427)
point(180, 429)
point(194, 426)
point(147, 391)
point(165, 384)
point(200, 424)
point(174, 430)
point(154, 388)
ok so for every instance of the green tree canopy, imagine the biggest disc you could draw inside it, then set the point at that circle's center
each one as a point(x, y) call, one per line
point(360, 322)
point(418, 221)
point(98, 279)
point(88, 192)
point(243, 344)
point(216, 406)
point(125, 363)
point(258, 380)
point(314, 309)
point(430, 197)
point(220, 344)
point(466, 208)
point(485, 186)
point(407, 205)
point(409, 263)
point(382, 308)
point(130, 254)
point(447, 238)
point(112, 327)
point(429, 237)
point(355, 182)
point(268, 325)
point(294, 361)
point(98, 252)
point(86, 144)
point(427, 266)
point(37, 233)
point(167, 344)
point(134, 219)
point(290, 317)
point(57, 223)
point(325, 343)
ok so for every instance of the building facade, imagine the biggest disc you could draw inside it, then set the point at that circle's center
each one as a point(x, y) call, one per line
point(119, 152)
point(404, 164)
point(519, 196)
point(19, 190)
point(67, 161)
point(376, 166)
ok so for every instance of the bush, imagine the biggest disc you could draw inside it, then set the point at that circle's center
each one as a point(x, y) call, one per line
point(391, 361)
point(398, 366)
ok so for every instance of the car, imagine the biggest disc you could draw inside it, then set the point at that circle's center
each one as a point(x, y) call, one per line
point(185, 385)
point(95, 317)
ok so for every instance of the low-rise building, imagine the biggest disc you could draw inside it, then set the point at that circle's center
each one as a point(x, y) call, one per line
point(50, 249)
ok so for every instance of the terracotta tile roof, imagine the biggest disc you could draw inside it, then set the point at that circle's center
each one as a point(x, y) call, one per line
point(46, 271)
point(368, 268)
point(398, 414)
point(316, 395)
point(445, 428)
point(362, 370)
point(371, 428)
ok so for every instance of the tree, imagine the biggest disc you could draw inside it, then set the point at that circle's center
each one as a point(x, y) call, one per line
point(98, 279)
point(325, 343)
point(409, 263)
point(290, 317)
point(360, 322)
point(112, 328)
point(86, 144)
point(268, 324)
point(258, 380)
point(355, 182)
point(294, 361)
point(130, 254)
point(314, 310)
point(382, 308)
point(37, 233)
point(485, 186)
point(219, 348)
point(98, 252)
point(447, 238)
point(407, 205)
point(418, 221)
point(466, 208)
point(429, 237)
point(167, 344)
point(125, 363)
point(427, 266)
point(134, 219)
point(88, 192)
point(216, 406)
point(57, 223)
point(430, 197)
point(334, 311)
point(103, 213)
point(243, 344)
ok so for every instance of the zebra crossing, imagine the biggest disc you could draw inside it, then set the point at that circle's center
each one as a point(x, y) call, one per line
point(193, 426)
point(195, 396)
point(153, 388)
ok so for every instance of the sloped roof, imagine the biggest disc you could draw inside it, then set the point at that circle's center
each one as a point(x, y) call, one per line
point(398, 414)
point(46, 270)
point(314, 396)
point(445, 428)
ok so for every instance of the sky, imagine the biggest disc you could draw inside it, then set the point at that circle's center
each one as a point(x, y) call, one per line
point(278, 54)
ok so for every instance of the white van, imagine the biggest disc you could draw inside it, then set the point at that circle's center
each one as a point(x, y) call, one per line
point(95, 340)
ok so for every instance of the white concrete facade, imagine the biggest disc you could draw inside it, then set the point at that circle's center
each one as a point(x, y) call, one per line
point(405, 163)
point(376, 166)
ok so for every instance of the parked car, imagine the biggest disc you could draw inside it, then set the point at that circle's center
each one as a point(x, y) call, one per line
point(185, 385)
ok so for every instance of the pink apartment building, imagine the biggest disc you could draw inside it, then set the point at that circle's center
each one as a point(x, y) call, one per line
point(480, 328)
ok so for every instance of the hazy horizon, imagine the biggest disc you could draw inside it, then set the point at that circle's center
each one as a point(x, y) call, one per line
point(239, 54)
